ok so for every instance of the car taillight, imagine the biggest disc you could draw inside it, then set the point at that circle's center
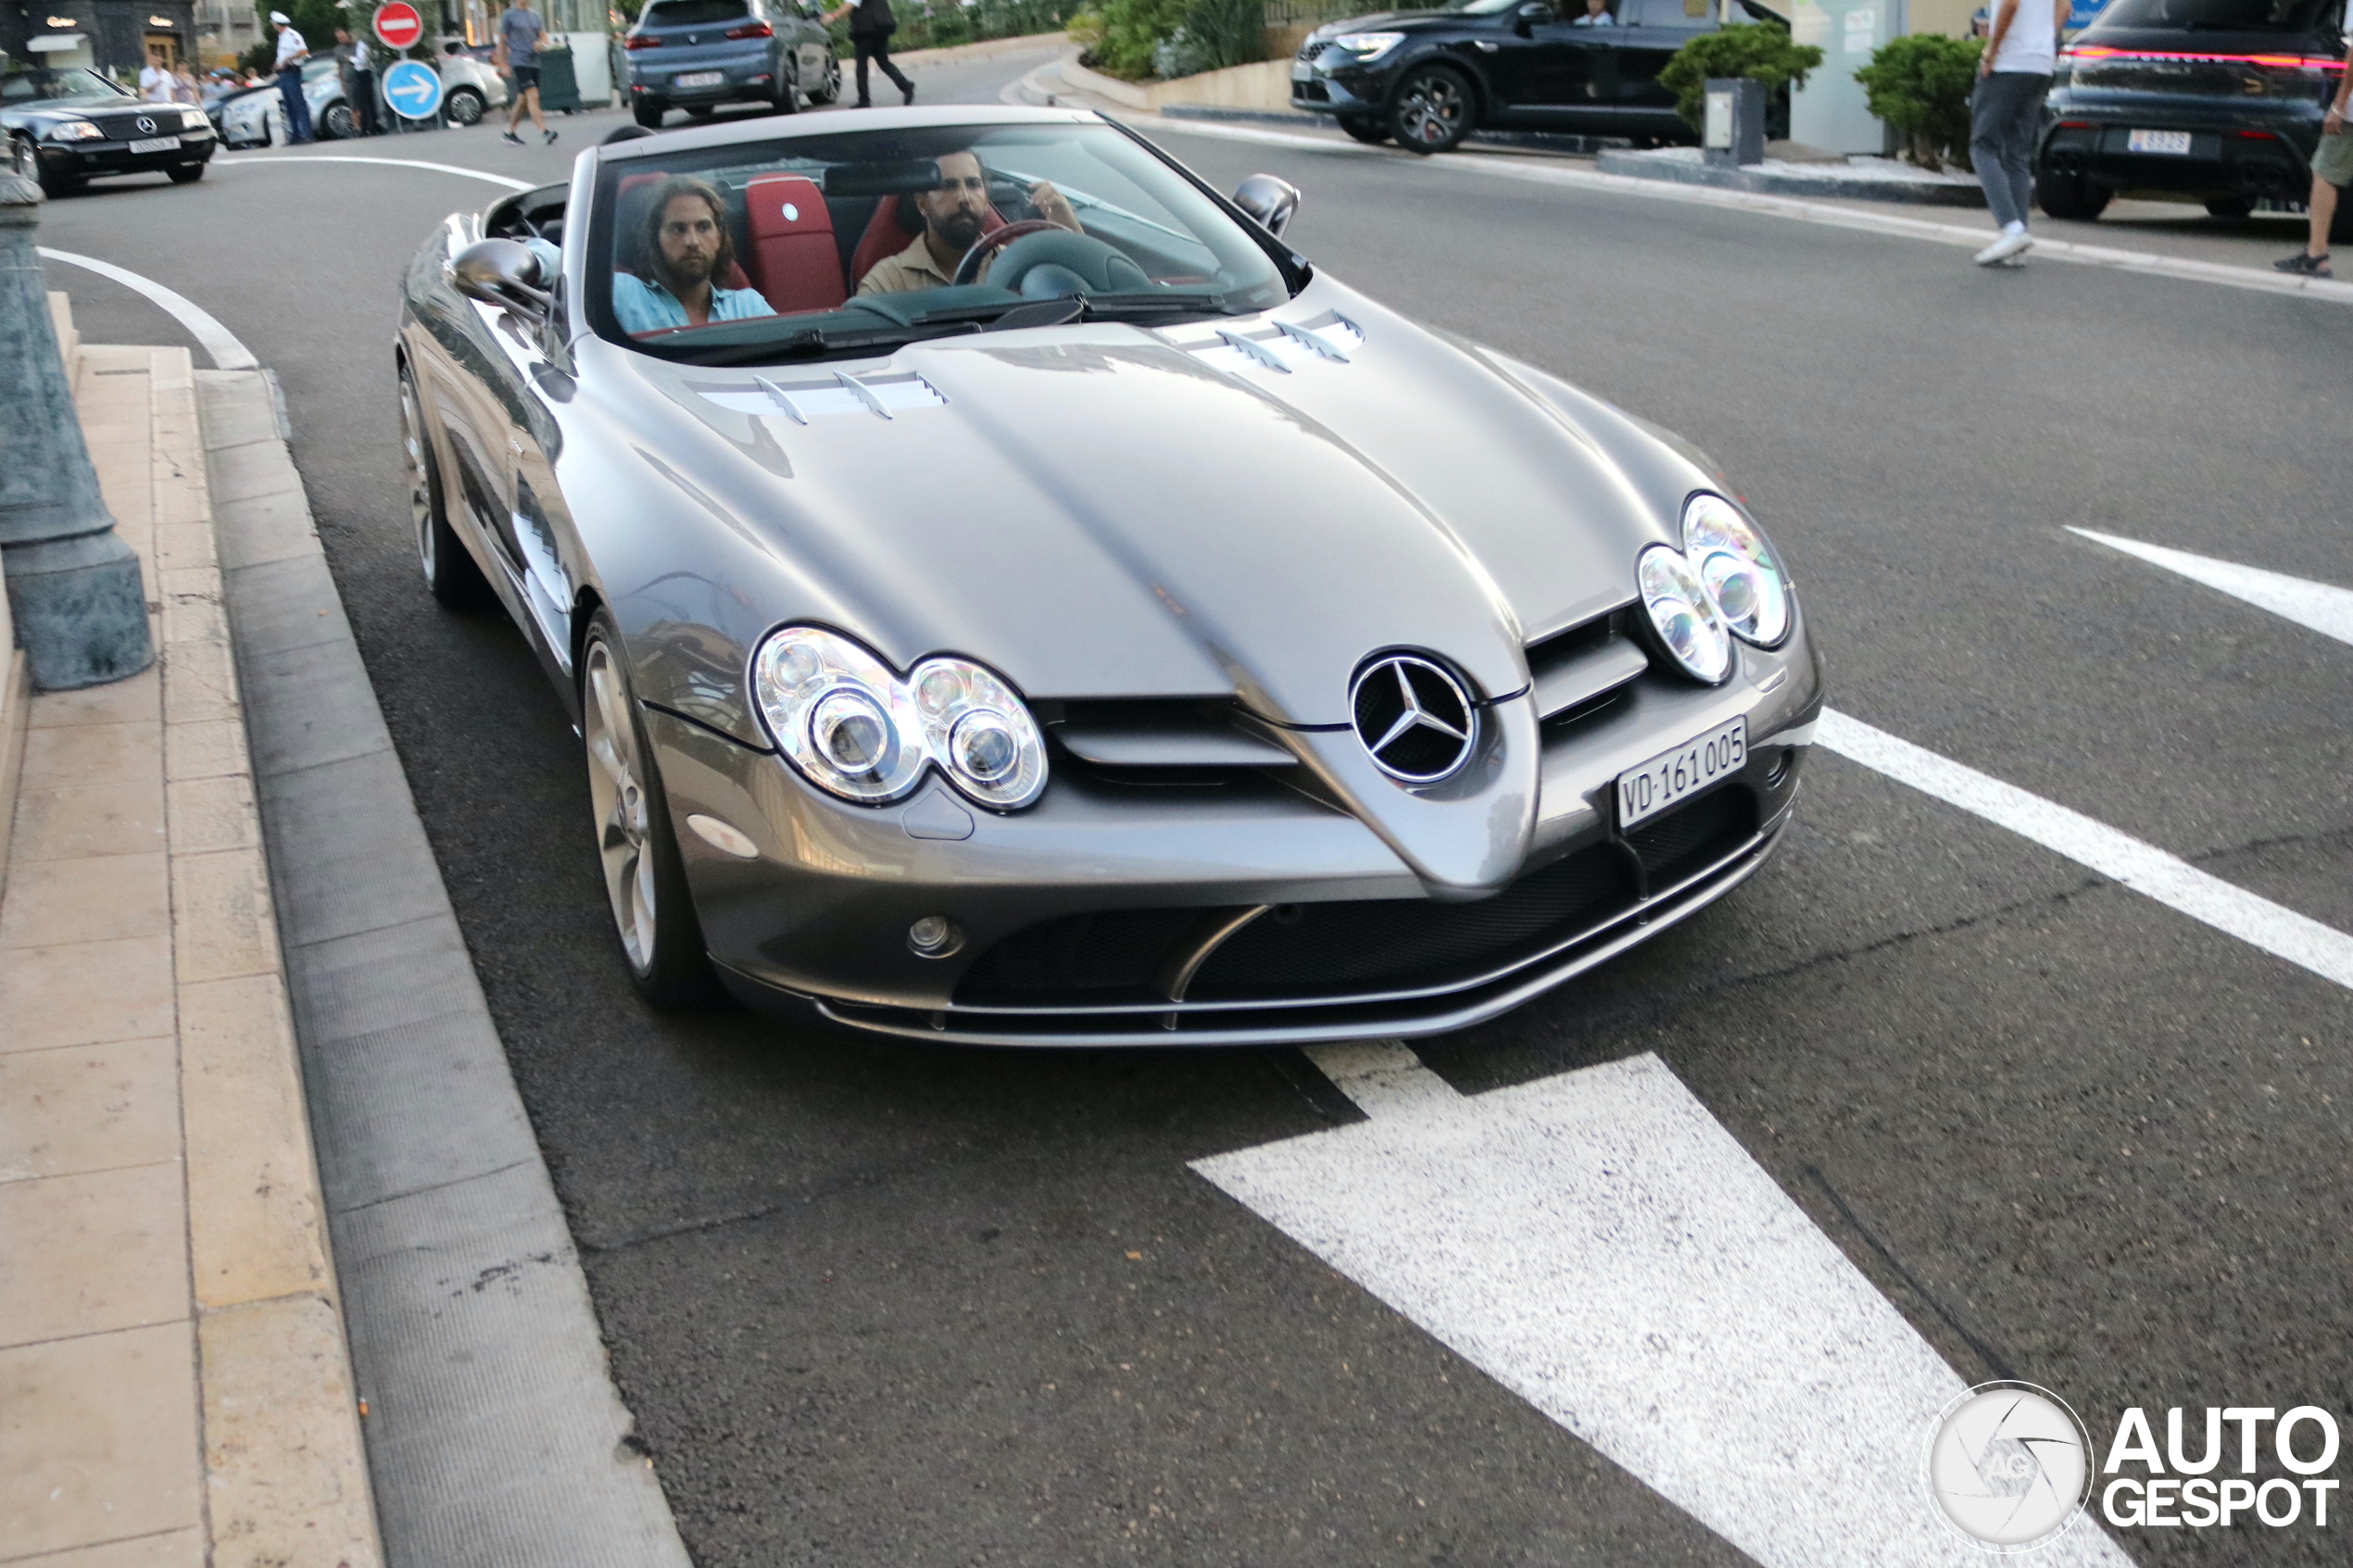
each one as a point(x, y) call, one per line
point(750, 30)
point(639, 41)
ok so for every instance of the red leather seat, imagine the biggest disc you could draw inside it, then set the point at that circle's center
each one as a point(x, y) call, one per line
point(791, 256)
point(633, 219)
point(887, 235)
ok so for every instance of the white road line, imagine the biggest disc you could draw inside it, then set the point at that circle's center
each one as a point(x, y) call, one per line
point(1600, 1246)
point(2322, 606)
point(391, 162)
point(1793, 208)
point(2144, 867)
point(227, 353)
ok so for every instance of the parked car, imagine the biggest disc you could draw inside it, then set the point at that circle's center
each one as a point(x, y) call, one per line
point(256, 117)
point(1428, 78)
point(695, 54)
point(1072, 652)
point(66, 126)
point(469, 86)
point(2218, 100)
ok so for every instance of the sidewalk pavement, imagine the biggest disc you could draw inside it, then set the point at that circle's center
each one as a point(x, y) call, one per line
point(175, 1389)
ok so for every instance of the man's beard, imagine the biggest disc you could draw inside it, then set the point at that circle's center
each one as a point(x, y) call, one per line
point(686, 273)
point(961, 228)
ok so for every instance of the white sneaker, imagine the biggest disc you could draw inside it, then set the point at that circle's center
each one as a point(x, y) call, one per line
point(2001, 249)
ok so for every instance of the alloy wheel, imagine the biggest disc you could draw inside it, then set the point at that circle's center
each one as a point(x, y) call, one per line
point(1431, 109)
point(412, 444)
point(26, 161)
point(617, 792)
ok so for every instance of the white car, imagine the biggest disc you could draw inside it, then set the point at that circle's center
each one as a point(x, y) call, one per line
point(258, 118)
point(468, 86)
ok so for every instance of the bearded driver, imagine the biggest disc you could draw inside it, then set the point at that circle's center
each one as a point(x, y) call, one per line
point(954, 212)
point(686, 246)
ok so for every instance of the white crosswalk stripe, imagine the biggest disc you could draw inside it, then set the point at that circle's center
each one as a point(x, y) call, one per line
point(2323, 606)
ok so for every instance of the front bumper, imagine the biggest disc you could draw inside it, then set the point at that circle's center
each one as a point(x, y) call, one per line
point(93, 160)
point(2232, 151)
point(1349, 89)
point(1076, 915)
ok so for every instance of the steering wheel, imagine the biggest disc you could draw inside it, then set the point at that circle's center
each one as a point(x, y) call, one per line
point(1056, 263)
point(1005, 234)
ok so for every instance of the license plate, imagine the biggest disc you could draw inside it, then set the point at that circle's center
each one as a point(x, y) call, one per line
point(2174, 142)
point(1673, 777)
point(156, 144)
point(700, 79)
point(1301, 70)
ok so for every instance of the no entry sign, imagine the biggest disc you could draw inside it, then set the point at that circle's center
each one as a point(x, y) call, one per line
point(398, 24)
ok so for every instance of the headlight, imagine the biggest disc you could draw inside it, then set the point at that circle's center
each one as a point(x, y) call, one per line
point(193, 119)
point(839, 714)
point(850, 725)
point(1737, 569)
point(979, 731)
point(75, 130)
point(1683, 615)
point(1369, 47)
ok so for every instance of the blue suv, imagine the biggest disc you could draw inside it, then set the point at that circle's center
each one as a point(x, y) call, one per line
point(695, 54)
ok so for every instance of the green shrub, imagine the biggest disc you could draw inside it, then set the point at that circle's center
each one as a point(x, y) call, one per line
point(1921, 85)
point(1759, 50)
point(1133, 30)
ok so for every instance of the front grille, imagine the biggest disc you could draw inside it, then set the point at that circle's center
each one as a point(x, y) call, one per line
point(1306, 950)
point(1693, 834)
point(125, 127)
point(1097, 956)
point(1314, 92)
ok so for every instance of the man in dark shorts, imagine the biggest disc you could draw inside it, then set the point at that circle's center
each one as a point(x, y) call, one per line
point(2331, 172)
point(871, 25)
point(519, 35)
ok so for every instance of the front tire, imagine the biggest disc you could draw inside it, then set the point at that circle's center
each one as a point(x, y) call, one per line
point(465, 106)
point(1433, 110)
point(1365, 128)
point(339, 122)
point(2072, 196)
point(451, 572)
point(187, 176)
point(653, 914)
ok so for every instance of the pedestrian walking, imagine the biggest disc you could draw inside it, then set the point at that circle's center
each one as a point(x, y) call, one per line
point(2331, 172)
point(185, 88)
point(2006, 115)
point(358, 63)
point(871, 25)
point(155, 79)
point(518, 59)
point(292, 52)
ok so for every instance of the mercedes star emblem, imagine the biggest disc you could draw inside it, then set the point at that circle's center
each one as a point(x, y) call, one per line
point(1414, 718)
point(146, 125)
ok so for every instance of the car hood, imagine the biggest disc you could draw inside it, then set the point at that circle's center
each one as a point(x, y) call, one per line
point(1103, 511)
point(1390, 21)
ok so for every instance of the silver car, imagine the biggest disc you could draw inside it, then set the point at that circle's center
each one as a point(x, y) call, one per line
point(1008, 596)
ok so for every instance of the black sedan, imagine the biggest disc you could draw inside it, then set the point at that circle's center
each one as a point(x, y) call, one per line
point(1428, 78)
point(67, 126)
point(2218, 100)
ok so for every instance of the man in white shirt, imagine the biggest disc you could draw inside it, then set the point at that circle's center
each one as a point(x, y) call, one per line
point(1596, 15)
point(2006, 115)
point(358, 63)
point(155, 79)
point(292, 52)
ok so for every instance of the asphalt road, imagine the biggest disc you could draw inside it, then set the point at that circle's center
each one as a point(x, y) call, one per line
point(875, 1305)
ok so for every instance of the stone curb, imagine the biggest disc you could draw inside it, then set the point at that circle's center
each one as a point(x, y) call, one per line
point(1918, 193)
point(918, 59)
point(494, 1436)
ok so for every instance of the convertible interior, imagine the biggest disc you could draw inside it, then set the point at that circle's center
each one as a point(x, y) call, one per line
point(805, 229)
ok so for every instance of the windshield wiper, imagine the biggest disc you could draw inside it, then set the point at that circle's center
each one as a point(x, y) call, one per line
point(815, 344)
point(1056, 309)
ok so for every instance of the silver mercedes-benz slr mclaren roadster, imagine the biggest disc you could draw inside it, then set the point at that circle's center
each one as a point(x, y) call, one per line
point(1008, 596)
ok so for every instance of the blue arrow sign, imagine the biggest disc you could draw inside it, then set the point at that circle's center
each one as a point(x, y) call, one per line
point(413, 90)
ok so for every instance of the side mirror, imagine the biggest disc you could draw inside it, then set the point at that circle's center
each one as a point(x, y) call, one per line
point(1273, 202)
point(1526, 19)
point(502, 272)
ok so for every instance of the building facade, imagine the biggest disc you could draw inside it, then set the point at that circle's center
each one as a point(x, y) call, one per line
point(112, 36)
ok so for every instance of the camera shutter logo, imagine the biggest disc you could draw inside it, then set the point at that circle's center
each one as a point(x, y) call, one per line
point(2010, 1466)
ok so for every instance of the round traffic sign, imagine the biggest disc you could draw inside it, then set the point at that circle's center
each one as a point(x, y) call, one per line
point(398, 24)
point(413, 90)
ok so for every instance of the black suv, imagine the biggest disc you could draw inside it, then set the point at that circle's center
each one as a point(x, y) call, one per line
point(1428, 78)
point(2220, 100)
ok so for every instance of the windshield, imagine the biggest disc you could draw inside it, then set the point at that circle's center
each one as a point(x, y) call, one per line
point(1480, 7)
point(845, 244)
point(2297, 17)
point(31, 84)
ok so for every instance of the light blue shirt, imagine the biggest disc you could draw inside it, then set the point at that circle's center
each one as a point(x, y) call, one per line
point(646, 306)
